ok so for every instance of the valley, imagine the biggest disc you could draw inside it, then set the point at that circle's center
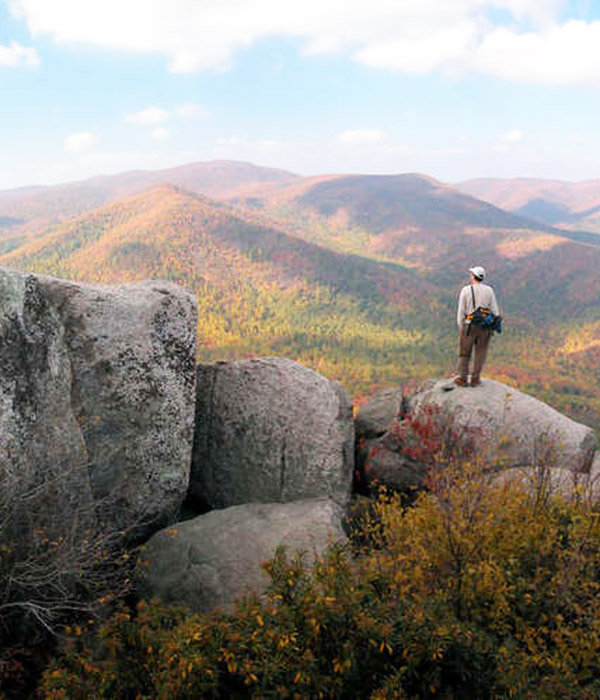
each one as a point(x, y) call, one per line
point(354, 275)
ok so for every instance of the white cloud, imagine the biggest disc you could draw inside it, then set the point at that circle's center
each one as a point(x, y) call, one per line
point(266, 150)
point(16, 55)
point(557, 55)
point(152, 115)
point(443, 47)
point(270, 143)
point(161, 134)
point(454, 37)
point(228, 141)
point(512, 136)
point(80, 141)
point(190, 110)
point(361, 137)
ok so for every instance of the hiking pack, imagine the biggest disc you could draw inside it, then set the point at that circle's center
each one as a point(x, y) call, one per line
point(484, 317)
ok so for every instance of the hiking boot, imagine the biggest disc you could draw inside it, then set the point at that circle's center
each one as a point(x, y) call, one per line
point(475, 382)
point(459, 381)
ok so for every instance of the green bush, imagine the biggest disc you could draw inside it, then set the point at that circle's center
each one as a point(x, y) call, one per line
point(475, 591)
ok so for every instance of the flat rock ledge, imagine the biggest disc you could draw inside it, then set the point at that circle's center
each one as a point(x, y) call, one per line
point(508, 427)
point(498, 425)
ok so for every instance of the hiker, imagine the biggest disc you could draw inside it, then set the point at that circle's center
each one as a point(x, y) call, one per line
point(474, 337)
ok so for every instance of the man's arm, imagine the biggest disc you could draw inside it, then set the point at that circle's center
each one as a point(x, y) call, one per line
point(462, 311)
point(494, 305)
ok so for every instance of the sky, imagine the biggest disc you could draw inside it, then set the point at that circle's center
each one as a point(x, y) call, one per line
point(454, 89)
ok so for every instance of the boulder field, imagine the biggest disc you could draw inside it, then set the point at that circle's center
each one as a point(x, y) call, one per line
point(107, 422)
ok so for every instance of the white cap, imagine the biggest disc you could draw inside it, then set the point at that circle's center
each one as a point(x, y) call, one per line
point(477, 271)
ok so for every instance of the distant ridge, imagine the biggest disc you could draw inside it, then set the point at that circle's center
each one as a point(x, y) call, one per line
point(572, 205)
point(170, 232)
point(389, 202)
point(354, 275)
point(386, 203)
point(408, 218)
point(38, 207)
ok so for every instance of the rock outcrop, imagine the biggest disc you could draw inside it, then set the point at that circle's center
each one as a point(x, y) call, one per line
point(97, 389)
point(499, 425)
point(373, 420)
point(213, 559)
point(270, 430)
point(554, 481)
point(375, 417)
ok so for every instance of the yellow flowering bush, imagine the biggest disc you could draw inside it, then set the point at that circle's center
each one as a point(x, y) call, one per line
point(476, 590)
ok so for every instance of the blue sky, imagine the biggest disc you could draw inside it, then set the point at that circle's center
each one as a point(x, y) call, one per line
point(451, 88)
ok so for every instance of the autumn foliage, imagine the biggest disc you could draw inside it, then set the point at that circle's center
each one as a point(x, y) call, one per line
point(475, 591)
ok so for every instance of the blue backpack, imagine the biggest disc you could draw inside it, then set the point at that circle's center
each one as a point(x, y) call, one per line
point(483, 317)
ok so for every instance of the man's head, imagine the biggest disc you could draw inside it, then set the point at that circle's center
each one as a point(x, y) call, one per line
point(477, 273)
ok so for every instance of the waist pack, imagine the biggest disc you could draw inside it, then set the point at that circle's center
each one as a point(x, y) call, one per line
point(484, 317)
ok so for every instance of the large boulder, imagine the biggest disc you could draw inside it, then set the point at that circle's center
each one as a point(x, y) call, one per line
point(498, 425)
point(212, 560)
point(43, 457)
point(372, 421)
point(383, 463)
point(97, 389)
point(270, 430)
point(375, 417)
point(565, 483)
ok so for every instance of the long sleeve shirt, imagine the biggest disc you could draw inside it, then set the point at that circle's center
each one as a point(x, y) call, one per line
point(484, 296)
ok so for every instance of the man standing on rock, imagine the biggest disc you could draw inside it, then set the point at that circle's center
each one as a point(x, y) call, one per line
point(473, 337)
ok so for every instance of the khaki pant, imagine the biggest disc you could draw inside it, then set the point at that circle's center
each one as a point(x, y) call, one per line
point(472, 337)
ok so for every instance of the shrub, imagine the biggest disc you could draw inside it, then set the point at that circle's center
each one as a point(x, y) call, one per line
point(475, 591)
point(58, 565)
point(496, 587)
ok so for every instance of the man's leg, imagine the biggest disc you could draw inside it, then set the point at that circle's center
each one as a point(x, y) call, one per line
point(464, 351)
point(482, 342)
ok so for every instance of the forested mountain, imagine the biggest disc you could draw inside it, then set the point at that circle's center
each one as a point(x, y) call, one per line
point(571, 205)
point(435, 230)
point(355, 276)
point(260, 291)
point(28, 212)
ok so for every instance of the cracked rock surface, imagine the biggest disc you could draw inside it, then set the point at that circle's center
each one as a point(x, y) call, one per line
point(270, 430)
point(497, 425)
point(97, 388)
point(511, 427)
point(213, 559)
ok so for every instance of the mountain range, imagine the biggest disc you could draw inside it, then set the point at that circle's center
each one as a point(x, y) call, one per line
point(354, 275)
point(568, 205)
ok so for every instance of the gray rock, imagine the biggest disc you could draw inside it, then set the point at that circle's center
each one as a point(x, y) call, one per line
point(554, 481)
point(385, 465)
point(374, 418)
point(504, 426)
point(270, 430)
point(501, 426)
point(43, 456)
point(97, 389)
point(210, 561)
